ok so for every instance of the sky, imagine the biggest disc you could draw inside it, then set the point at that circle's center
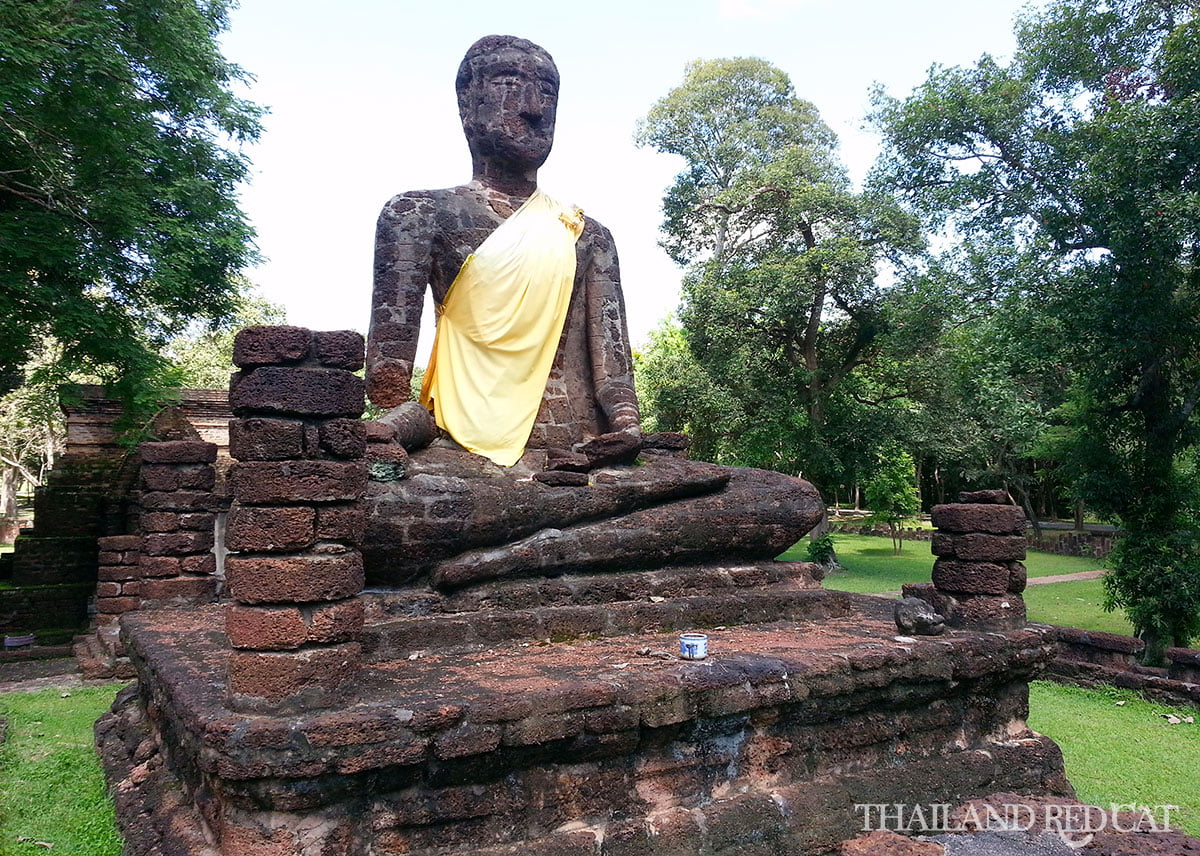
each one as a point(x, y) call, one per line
point(362, 107)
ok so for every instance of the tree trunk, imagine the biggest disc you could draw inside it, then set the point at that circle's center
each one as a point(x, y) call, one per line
point(1156, 646)
point(1029, 511)
point(821, 528)
point(1079, 515)
point(10, 479)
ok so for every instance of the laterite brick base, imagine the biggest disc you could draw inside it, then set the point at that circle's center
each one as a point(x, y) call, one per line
point(480, 725)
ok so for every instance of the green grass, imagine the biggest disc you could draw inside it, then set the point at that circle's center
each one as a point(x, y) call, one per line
point(1122, 754)
point(1075, 605)
point(870, 567)
point(51, 785)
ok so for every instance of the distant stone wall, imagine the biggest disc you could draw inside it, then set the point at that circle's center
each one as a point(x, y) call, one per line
point(880, 530)
point(93, 491)
point(91, 415)
point(1091, 658)
point(1086, 544)
point(1083, 544)
point(32, 608)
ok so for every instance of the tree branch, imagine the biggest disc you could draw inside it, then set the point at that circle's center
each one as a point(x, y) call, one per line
point(28, 476)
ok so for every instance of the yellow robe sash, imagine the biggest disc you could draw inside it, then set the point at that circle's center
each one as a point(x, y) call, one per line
point(498, 330)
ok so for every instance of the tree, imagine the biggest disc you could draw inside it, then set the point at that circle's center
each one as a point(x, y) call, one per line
point(119, 221)
point(203, 354)
point(1082, 155)
point(782, 301)
point(892, 492)
point(32, 432)
point(676, 394)
point(32, 428)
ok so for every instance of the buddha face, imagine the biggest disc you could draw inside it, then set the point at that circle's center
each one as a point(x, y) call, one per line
point(509, 106)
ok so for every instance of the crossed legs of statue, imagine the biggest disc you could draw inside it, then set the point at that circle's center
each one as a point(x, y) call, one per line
point(461, 520)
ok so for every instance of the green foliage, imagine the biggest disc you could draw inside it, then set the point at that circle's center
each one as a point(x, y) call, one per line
point(1081, 157)
point(203, 353)
point(677, 394)
point(735, 122)
point(51, 785)
point(821, 550)
point(31, 429)
point(118, 213)
point(892, 492)
point(1155, 579)
point(782, 303)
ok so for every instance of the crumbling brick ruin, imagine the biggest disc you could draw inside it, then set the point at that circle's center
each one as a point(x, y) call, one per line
point(978, 576)
point(303, 715)
point(295, 619)
point(94, 492)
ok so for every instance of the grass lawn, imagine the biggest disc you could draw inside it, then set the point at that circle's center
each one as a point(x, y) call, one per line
point(1075, 605)
point(870, 567)
point(51, 787)
point(1122, 753)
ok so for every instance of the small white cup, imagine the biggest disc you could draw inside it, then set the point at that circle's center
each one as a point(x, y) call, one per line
point(693, 646)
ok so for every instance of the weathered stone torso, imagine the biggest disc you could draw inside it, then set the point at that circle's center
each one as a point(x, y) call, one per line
point(440, 229)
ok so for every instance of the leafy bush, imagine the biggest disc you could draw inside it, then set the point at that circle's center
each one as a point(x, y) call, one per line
point(821, 550)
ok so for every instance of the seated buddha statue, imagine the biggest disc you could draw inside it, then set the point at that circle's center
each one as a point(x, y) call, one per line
point(538, 466)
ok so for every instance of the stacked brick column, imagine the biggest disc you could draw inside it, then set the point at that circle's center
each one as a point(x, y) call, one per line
point(978, 575)
point(295, 569)
point(177, 522)
point(119, 588)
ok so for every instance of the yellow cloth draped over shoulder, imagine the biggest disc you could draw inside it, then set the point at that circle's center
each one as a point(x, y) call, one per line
point(498, 330)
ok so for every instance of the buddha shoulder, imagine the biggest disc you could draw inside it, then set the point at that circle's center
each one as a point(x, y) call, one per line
point(416, 208)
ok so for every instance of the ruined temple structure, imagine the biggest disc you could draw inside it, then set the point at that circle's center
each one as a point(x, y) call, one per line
point(978, 576)
point(533, 714)
point(423, 650)
point(91, 493)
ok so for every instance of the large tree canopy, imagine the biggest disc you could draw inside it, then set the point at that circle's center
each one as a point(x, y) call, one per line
point(119, 220)
point(1082, 155)
point(782, 301)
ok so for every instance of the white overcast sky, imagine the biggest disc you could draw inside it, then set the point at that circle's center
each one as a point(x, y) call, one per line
point(361, 99)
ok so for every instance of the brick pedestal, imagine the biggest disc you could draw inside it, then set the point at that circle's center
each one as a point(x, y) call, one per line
point(294, 569)
point(978, 576)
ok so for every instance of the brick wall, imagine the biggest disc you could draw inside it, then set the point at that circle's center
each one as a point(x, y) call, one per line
point(1090, 658)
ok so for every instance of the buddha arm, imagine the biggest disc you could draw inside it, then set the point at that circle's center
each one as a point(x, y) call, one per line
point(403, 259)
point(608, 336)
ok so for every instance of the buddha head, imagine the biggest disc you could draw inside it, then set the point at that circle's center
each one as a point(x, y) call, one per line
point(508, 99)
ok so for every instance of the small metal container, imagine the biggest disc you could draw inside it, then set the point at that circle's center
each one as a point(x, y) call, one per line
point(693, 646)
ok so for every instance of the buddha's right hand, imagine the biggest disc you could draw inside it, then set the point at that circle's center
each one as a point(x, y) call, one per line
point(615, 447)
point(412, 425)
